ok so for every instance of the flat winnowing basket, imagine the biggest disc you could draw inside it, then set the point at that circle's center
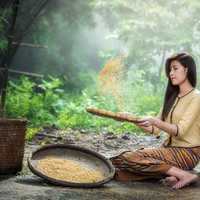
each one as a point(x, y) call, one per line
point(114, 115)
point(12, 140)
point(84, 157)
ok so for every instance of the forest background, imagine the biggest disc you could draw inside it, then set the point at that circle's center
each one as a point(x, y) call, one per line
point(97, 53)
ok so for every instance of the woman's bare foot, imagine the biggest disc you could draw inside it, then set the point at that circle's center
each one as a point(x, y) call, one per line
point(170, 181)
point(187, 179)
point(184, 178)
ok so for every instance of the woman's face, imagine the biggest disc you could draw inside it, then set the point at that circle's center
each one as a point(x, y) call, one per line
point(178, 73)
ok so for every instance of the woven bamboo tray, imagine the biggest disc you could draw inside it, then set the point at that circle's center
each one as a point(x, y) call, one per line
point(113, 115)
point(81, 155)
point(12, 140)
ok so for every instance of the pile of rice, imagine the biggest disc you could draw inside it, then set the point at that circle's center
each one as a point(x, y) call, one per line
point(68, 170)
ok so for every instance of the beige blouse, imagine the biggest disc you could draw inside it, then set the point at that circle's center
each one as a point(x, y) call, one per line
point(185, 113)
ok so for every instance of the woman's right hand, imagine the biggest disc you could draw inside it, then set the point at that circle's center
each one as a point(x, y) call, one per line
point(142, 123)
point(145, 128)
point(146, 124)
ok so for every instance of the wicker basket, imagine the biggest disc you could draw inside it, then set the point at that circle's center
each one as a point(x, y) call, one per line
point(12, 140)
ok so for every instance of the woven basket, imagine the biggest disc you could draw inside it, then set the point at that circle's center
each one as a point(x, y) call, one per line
point(12, 140)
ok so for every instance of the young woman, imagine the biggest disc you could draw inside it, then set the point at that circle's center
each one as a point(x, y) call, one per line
point(180, 119)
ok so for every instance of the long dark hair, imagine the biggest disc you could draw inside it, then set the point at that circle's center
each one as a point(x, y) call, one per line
point(172, 90)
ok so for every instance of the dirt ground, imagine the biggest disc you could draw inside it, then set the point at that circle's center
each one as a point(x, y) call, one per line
point(26, 185)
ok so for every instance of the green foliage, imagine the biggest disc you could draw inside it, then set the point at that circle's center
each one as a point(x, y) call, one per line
point(39, 108)
point(80, 37)
point(31, 132)
point(3, 44)
point(53, 105)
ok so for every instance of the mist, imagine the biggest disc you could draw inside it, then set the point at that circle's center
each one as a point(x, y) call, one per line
point(105, 54)
point(82, 36)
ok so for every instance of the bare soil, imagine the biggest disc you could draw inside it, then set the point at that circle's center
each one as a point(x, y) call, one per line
point(25, 185)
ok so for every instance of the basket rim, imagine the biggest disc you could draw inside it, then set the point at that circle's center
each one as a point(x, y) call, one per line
point(16, 120)
point(72, 184)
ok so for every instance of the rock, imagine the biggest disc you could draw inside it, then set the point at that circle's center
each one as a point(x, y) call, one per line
point(111, 137)
point(68, 141)
point(125, 137)
point(83, 131)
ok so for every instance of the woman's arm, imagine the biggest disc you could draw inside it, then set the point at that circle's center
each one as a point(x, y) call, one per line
point(148, 123)
point(189, 117)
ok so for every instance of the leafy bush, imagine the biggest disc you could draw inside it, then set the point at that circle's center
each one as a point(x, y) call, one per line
point(47, 103)
point(38, 108)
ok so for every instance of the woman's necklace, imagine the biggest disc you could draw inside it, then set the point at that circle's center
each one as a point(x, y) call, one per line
point(180, 96)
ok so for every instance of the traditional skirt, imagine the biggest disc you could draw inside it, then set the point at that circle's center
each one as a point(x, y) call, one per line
point(154, 163)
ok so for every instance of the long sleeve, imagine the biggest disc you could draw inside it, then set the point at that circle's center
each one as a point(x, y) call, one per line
point(185, 114)
point(189, 116)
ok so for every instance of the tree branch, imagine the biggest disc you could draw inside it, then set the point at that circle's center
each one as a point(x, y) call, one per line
point(30, 45)
point(23, 73)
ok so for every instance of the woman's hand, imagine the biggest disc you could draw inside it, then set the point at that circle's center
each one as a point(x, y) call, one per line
point(145, 122)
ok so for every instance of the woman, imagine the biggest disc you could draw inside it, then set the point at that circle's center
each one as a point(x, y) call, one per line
point(180, 119)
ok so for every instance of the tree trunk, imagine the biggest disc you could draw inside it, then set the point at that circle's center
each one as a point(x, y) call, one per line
point(14, 36)
point(5, 61)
